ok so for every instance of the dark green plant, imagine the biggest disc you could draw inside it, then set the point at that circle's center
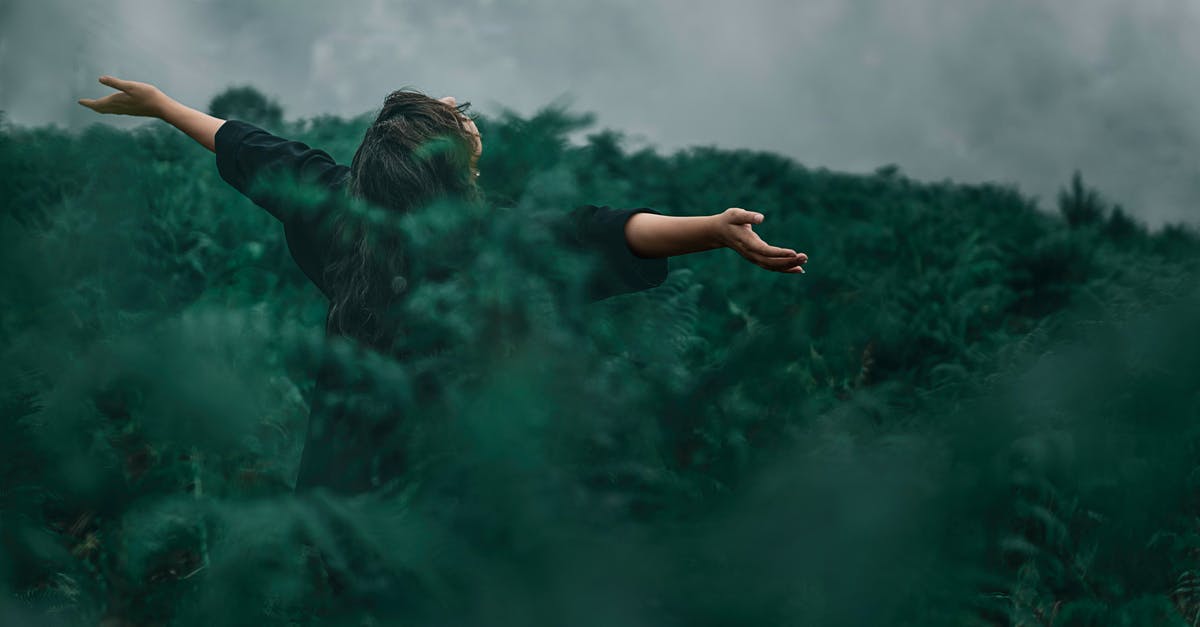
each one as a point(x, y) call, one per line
point(249, 104)
point(967, 412)
point(1080, 205)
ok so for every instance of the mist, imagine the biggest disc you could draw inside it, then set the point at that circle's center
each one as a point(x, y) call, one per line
point(1022, 92)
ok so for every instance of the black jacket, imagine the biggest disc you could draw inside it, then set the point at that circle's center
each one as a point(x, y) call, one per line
point(337, 442)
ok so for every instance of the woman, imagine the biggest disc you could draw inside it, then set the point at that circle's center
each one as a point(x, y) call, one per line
point(418, 150)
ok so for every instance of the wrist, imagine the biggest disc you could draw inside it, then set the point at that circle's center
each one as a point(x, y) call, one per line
point(714, 232)
point(161, 106)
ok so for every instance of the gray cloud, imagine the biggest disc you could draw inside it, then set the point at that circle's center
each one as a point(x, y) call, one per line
point(1020, 91)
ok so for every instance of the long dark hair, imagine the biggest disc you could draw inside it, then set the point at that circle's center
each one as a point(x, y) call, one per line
point(417, 151)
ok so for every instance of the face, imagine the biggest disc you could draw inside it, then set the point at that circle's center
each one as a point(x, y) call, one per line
point(470, 125)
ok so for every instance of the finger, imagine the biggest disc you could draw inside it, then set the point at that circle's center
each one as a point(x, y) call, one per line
point(778, 264)
point(93, 103)
point(742, 216)
point(96, 104)
point(116, 83)
point(789, 262)
point(756, 245)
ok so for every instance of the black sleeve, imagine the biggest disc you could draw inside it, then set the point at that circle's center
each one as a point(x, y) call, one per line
point(601, 229)
point(246, 154)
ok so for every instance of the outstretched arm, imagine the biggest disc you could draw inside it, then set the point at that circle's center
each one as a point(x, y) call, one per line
point(248, 157)
point(146, 100)
point(651, 235)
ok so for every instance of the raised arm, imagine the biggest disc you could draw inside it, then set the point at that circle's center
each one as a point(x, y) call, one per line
point(246, 155)
point(653, 235)
point(635, 244)
point(198, 125)
point(146, 100)
point(248, 158)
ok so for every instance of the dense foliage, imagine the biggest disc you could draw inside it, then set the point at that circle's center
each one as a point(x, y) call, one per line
point(970, 411)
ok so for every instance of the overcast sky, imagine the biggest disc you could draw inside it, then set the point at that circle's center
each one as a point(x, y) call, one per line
point(1019, 91)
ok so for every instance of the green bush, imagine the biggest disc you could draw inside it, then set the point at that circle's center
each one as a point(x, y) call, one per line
point(969, 411)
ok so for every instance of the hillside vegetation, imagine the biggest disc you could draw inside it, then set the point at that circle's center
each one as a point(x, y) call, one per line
point(971, 410)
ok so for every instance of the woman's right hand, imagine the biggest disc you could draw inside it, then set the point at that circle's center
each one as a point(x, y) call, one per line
point(134, 98)
point(734, 229)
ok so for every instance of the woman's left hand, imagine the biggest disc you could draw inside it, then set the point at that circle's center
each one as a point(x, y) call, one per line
point(134, 98)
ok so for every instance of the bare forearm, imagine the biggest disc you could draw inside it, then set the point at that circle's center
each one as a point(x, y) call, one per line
point(196, 124)
point(147, 101)
point(652, 235)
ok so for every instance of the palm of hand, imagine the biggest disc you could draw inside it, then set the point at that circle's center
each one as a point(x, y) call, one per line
point(134, 98)
point(737, 226)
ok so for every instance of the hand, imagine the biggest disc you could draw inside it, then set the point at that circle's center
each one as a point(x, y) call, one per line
point(734, 230)
point(141, 99)
point(473, 130)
